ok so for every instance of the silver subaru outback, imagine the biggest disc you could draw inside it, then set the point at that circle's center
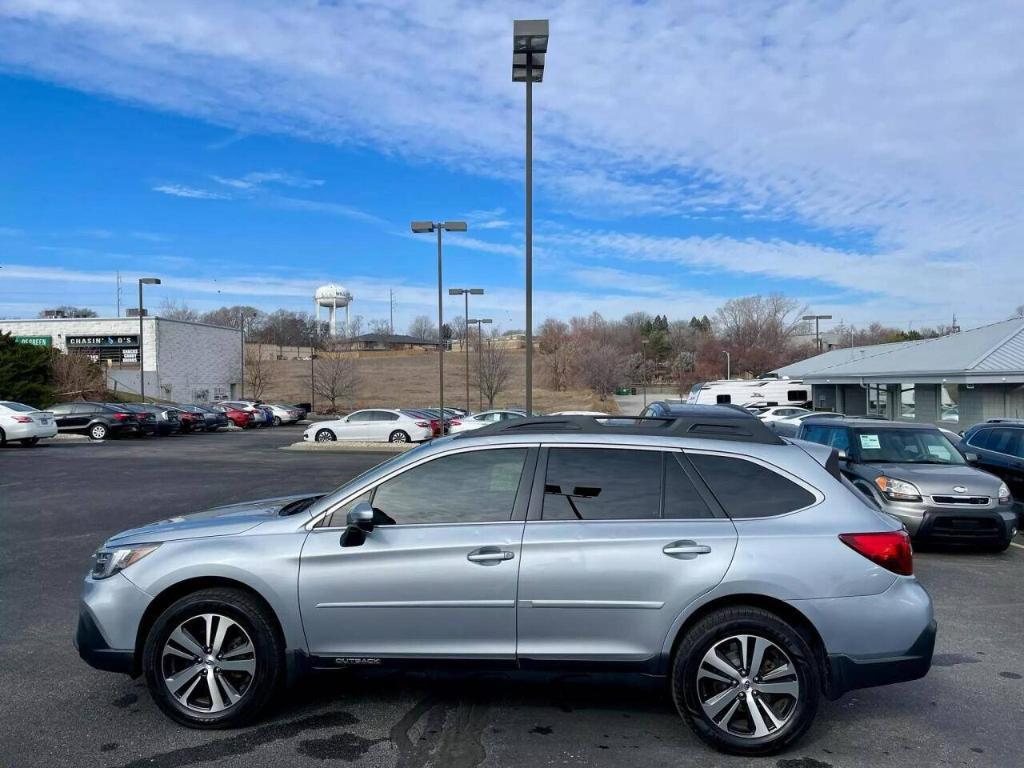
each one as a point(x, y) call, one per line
point(701, 548)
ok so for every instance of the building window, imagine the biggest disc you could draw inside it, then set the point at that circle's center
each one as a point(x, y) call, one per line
point(950, 411)
point(908, 409)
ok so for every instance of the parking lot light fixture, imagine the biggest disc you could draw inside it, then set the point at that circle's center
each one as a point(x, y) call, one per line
point(465, 292)
point(479, 352)
point(817, 334)
point(529, 46)
point(142, 373)
point(423, 227)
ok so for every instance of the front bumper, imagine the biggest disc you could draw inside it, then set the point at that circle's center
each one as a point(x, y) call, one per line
point(109, 616)
point(955, 524)
point(847, 673)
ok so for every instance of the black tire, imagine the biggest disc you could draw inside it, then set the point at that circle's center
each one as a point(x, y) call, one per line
point(398, 436)
point(98, 431)
point(725, 623)
point(28, 442)
point(325, 436)
point(258, 623)
point(3, 438)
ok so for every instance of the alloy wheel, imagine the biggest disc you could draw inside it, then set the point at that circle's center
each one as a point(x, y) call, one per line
point(208, 663)
point(324, 436)
point(748, 686)
point(398, 436)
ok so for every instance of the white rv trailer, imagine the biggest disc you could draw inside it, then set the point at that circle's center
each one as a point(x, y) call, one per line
point(752, 392)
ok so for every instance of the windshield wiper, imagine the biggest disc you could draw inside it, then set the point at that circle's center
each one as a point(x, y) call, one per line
point(299, 505)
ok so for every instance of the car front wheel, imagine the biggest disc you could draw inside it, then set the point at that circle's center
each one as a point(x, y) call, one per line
point(98, 431)
point(213, 659)
point(746, 681)
point(325, 436)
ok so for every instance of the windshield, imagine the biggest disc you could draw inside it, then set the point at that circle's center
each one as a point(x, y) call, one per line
point(906, 446)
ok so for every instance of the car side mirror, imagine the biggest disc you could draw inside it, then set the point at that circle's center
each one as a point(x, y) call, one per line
point(359, 522)
point(361, 517)
point(971, 458)
point(841, 455)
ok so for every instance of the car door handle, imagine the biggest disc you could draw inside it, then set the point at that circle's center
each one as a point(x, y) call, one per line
point(686, 550)
point(489, 555)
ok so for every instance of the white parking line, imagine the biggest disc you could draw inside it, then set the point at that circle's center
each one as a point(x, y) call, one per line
point(1015, 544)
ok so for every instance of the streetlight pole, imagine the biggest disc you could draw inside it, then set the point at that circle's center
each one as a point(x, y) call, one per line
point(466, 292)
point(312, 370)
point(421, 227)
point(728, 364)
point(529, 45)
point(142, 371)
point(479, 355)
point(643, 352)
point(817, 334)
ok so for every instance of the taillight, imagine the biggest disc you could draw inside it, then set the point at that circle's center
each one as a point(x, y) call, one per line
point(455, 423)
point(122, 416)
point(890, 549)
point(422, 425)
point(22, 419)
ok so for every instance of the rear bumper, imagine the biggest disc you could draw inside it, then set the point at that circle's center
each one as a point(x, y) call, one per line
point(847, 673)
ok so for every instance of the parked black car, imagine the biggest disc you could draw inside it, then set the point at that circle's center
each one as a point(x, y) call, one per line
point(97, 420)
point(998, 446)
point(146, 416)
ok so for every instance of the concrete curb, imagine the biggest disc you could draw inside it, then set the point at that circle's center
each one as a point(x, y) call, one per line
point(67, 437)
point(340, 447)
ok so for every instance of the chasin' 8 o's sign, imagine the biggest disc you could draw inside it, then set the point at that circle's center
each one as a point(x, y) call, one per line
point(108, 342)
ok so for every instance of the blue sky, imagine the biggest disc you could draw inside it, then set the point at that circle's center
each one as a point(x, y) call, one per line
point(863, 157)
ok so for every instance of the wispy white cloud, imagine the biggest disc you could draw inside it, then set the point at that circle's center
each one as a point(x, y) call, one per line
point(256, 179)
point(320, 206)
point(896, 121)
point(180, 190)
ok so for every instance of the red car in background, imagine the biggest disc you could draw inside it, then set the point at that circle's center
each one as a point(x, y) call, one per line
point(236, 416)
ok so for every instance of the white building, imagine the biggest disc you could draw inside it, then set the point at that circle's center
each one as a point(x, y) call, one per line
point(183, 361)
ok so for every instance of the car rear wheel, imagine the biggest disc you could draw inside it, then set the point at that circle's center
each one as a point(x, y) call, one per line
point(28, 442)
point(213, 659)
point(325, 436)
point(746, 681)
point(398, 436)
point(98, 431)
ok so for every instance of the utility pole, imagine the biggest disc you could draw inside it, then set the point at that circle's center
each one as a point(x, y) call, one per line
point(118, 294)
point(391, 304)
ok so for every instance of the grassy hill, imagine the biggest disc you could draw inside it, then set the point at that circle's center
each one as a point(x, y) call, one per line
point(409, 380)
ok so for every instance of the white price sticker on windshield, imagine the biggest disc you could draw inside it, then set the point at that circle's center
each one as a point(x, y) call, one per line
point(870, 442)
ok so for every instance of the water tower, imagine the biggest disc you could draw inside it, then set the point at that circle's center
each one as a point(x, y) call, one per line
point(333, 296)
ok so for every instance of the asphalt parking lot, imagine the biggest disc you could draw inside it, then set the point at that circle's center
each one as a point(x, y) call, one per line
point(58, 502)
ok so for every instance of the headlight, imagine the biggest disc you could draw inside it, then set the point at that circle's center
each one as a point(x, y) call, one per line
point(897, 490)
point(107, 562)
point(1004, 493)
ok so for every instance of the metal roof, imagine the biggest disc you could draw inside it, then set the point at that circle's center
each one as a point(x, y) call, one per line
point(990, 354)
point(832, 358)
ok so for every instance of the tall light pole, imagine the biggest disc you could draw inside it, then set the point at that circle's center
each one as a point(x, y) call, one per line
point(479, 354)
point(529, 45)
point(466, 293)
point(643, 368)
point(817, 335)
point(419, 228)
point(142, 371)
point(728, 364)
point(241, 385)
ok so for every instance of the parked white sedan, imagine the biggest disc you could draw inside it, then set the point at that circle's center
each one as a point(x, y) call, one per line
point(482, 419)
point(374, 425)
point(24, 423)
point(778, 412)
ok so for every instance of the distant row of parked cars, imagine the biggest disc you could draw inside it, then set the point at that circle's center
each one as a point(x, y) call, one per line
point(403, 425)
point(28, 425)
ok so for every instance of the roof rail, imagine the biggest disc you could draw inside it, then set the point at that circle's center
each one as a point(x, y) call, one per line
point(705, 421)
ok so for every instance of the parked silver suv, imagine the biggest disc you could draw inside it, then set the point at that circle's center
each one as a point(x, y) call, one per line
point(702, 548)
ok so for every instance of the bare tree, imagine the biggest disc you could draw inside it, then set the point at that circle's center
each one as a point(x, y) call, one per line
point(379, 325)
point(259, 374)
point(422, 328)
point(495, 370)
point(66, 310)
point(77, 376)
point(600, 368)
point(1019, 311)
point(171, 309)
point(335, 378)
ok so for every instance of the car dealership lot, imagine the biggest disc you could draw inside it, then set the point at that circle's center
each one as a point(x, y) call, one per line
point(58, 502)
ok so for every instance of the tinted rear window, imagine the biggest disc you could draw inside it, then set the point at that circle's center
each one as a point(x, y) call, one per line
point(746, 489)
